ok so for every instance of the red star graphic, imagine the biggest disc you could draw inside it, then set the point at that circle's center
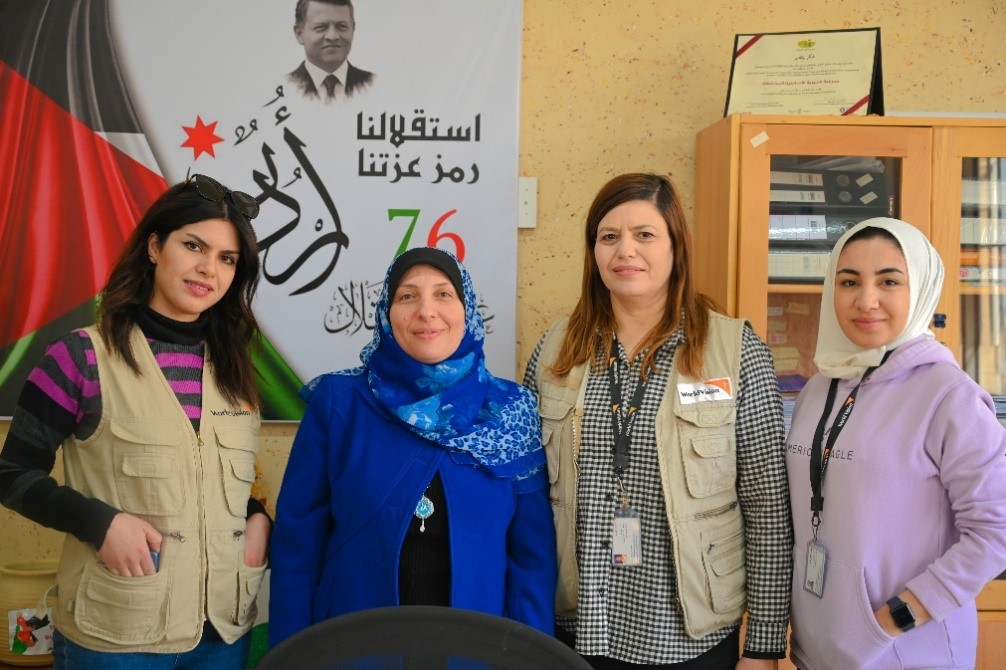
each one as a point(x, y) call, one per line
point(201, 138)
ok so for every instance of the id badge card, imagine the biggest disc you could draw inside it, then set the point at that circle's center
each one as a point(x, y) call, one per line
point(816, 556)
point(626, 538)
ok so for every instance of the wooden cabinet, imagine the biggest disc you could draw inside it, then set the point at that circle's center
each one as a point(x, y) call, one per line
point(772, 195)
point(945, 176)
point(992, 626)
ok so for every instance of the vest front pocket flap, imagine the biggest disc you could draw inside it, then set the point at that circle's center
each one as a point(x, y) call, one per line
point(711, 446)
point(243, 470)
point(249, 582)
point(237, 461)
point(118, 592)
point(710, 463)
point(244, 444)
point(708, 414)
point(251, 578)
point(152, 465)
point(554, 408)
point(726, 563)
point(546, 433)
point(147, 479)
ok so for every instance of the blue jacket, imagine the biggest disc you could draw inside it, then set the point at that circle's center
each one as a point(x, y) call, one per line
point(351, 485)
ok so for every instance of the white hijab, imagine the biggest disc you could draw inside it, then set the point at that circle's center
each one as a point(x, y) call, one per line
point(837, 356)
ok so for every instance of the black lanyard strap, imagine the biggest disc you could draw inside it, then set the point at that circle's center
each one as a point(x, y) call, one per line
point(820, 453)
point(622, 422)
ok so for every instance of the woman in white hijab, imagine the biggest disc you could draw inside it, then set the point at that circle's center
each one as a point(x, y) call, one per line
point(896, 470)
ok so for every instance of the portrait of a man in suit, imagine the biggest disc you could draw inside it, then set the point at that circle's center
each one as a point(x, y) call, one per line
point(325, 29)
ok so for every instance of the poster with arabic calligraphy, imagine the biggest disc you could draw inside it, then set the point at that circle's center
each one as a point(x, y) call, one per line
point(107, 102)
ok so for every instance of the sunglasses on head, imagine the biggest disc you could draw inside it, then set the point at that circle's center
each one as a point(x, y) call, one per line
point(212, 190)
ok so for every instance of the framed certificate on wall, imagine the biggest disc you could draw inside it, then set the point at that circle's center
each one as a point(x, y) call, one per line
point(825, 72)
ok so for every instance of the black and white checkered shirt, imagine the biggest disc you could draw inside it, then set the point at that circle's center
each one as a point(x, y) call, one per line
point(631, 614)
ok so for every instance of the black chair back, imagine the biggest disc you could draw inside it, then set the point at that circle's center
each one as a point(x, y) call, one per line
point(421, 638)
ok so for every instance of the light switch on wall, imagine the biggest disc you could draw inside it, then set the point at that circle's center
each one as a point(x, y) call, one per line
point(527, 202)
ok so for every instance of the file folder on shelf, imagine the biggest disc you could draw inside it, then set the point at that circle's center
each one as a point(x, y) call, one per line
point(837, 188)
point(786, 266)
point(787, 196)
point(816, 230)
point(982, 191)
point(983, 230)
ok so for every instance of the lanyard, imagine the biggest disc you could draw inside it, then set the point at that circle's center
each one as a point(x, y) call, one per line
point(622, 422)
point(819, 456)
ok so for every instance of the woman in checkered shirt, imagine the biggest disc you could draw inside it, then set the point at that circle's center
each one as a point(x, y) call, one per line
point(663, 428)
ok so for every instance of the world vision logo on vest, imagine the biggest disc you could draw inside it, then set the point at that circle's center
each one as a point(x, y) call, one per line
point(242, 411)
point(720, 388)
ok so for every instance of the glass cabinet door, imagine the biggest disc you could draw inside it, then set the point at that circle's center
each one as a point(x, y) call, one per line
point(813, 200)
point(972, 164)
point(811, 184)
point(982, 271)
point(970, 202)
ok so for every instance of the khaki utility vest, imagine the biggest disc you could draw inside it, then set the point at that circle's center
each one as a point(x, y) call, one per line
point(696, 452)
point(145, 459)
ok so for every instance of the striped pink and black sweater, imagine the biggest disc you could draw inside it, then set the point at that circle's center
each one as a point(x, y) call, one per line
point(62, 397)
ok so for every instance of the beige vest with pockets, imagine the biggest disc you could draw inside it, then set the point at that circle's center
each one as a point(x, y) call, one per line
point(696, 452)
point(145, 459)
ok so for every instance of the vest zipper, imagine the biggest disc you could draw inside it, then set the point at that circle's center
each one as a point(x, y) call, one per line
point(577, 418)
point(204, 534)
point(715, 512)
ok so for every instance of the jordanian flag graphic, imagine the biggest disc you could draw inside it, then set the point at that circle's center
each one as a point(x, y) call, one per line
point(78, 173)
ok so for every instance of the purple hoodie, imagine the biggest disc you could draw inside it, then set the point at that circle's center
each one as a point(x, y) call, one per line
point(914, 497)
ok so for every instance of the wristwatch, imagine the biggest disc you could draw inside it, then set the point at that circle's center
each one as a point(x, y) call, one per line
point(904, 617)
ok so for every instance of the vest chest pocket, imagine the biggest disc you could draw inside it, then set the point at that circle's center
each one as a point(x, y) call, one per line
point(557, 431)
point(723, 559)
point(249, 583)
point(708, 446)
point(237, 450)
point(147, 472)
point(555, 420)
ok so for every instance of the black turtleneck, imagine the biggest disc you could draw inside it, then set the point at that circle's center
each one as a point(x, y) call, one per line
point(156, 326)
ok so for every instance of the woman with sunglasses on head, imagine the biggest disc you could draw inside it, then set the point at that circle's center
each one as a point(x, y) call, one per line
point(417, 478)
point(896, 469)
point(155, 408)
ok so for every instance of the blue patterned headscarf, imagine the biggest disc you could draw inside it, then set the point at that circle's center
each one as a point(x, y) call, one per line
point(456, 403)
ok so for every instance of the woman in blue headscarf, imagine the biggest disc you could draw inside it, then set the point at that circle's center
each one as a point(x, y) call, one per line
point(417, 478)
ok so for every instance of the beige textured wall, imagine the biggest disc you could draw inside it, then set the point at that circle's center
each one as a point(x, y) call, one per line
point(610, 87)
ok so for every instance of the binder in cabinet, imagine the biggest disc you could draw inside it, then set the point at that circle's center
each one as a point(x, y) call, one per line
point(808, 230)
point(798, 266)
point(830, 188)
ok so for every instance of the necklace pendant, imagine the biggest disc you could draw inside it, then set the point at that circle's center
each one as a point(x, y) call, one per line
point(424, 510)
